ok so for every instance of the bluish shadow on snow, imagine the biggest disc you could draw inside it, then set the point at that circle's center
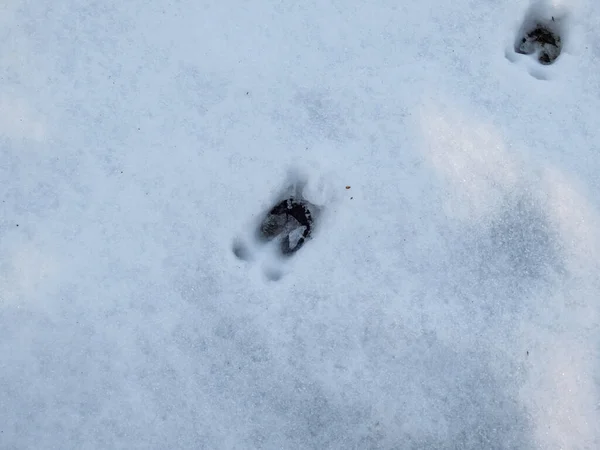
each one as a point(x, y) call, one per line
point(524, 236)
point(199, 90)
point(509, 256)
point(414, 393)
point(317, 114)
point(469, 404)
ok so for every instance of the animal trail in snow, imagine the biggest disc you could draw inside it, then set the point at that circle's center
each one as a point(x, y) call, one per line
point(281, 231)
point(289, 223)
point(541, 33)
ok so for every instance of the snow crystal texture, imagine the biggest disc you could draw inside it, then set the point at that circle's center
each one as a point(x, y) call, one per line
point(448, 298)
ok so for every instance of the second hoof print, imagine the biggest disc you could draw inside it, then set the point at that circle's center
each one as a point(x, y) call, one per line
point(541, 34)
point(543, 42)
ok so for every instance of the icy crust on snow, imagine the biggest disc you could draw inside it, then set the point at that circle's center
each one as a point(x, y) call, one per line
point(447, 299)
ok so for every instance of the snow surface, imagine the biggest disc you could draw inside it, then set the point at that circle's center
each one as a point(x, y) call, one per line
point(449, 299)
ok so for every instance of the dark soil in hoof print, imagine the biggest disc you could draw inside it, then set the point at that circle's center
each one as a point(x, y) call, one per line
point(290, 222)
point(542, 41)
point(540, 37)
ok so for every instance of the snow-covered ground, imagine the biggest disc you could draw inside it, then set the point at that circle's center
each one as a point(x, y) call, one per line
point(449, 299)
